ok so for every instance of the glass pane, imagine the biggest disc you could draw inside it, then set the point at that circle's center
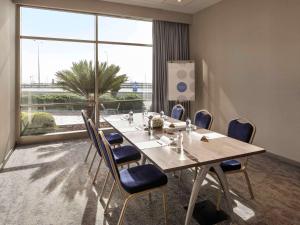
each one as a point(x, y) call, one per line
point(135, 93)
point(46, 106)
point(124, 30)
point(57, 24)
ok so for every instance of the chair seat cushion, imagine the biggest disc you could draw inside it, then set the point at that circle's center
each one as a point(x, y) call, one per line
point(114, 138)
point(140, 178)
point(125, 154)
point(230, 165)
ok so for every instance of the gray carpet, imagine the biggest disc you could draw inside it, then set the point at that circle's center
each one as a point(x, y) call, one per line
point(49, 184)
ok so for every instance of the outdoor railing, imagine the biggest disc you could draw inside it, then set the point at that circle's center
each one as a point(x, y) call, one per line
point(125, 105)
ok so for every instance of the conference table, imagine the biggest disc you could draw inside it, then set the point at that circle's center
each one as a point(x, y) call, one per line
point(177, 149)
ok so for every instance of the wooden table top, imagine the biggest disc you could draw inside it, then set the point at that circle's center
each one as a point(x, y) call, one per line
point(193, 152)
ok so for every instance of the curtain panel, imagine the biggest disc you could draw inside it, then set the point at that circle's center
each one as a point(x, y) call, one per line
point(170, 42)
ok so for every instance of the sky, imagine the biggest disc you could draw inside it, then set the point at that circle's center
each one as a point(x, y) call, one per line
point(134, 61)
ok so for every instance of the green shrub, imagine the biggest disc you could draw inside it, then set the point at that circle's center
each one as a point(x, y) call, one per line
point(41, 123)
point(130, 96)
point(52, 98)
point(129, 101)
point(55, 98)
point(107, 97)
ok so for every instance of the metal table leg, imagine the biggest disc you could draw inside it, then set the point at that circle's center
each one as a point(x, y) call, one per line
point(197, 185)
point(196, 188)
point(223, 182)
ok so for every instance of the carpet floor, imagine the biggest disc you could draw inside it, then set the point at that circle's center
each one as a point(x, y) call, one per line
point(49, 185)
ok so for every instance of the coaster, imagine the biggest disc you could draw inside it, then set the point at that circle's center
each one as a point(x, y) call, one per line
point(206, 213)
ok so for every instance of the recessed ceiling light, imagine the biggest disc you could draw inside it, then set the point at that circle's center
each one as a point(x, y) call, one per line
point(178, 0)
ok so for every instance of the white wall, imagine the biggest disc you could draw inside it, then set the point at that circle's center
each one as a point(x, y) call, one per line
point(7, 77)
point(248, 64)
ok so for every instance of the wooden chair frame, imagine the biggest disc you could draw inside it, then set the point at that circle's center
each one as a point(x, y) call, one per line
point(83, 112)
point(127, 196)
point(101, 158)
point(243, 165)
point(91, 146)
point(207, 112)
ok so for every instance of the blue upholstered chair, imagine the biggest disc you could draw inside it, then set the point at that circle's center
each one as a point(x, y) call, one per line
point(177, 112)
point(242, 130)
point(123, 155)
point(114, 139)
point(203, 119)
point(132, 182)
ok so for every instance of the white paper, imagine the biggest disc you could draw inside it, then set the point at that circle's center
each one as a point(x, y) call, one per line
point(128, 129)
point(210, 136)
point(165, 140)
point(150, 144)
point(176, 124)
point(113, 119)
point(180, 124)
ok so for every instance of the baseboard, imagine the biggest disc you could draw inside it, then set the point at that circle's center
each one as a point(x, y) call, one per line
point(283, 159)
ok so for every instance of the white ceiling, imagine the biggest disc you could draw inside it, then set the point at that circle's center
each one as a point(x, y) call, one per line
point(185, 6)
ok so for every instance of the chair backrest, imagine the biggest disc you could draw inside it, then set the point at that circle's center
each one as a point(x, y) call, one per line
point(85, 120)
point(242, 130)
point(177, 112)
point(110, 160)
point(203, 119)
point(93, 132)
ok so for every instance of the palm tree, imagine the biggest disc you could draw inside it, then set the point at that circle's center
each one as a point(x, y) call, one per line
point(80, 80)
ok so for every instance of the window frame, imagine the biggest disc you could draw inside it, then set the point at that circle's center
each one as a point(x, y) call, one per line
point(69, 134)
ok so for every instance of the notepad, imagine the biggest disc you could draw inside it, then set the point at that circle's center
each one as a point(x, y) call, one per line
point(209, 136)
point(128, 129)
point(150, 144)
point(165, 140)
point(180, 124)
point(113, 119)
point(176, 124)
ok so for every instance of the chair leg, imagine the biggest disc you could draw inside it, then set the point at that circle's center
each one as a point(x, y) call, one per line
point(104, 185)
point(96, 174)
point(88, 153)
point(165, 206)
point(92, 161)
point(120, 222)
point(144, 159)
point(219, 196)
point(109, 197)
point(249, 184)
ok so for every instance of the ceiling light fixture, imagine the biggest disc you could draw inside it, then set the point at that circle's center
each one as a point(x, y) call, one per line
point(178, 0)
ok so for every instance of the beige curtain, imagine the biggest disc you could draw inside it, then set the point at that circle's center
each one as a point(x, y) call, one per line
point(170, 42)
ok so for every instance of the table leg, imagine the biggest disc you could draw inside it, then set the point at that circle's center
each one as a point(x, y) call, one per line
point(224, 184)
point(196, 188)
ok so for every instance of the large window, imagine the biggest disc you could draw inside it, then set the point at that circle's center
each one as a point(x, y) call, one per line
point(57, 61)
point(127, 44)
